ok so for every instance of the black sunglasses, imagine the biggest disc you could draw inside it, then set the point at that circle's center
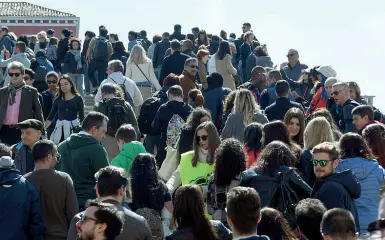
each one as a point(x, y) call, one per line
point(203, 138)
point(27, 78)
point(51, 82)
point(85, 218)
point(322, 163)
point(194, 66)
point(290, 55)
point(14, 74)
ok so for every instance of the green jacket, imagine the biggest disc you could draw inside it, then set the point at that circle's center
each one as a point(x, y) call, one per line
point(81, 157)
point(127, 155)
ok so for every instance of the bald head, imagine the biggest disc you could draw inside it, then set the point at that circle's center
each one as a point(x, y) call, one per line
point(329, 84)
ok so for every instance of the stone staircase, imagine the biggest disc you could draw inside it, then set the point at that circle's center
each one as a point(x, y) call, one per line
point(88, 103)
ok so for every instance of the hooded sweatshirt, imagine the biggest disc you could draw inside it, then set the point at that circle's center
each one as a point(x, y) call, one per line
point(81, 157)
point(339, 190)
point(129, 151)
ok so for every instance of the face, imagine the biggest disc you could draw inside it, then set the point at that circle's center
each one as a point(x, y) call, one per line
point(305, 76)
point(339, 94)
point(41, 38)
point(203, 139)
point(28, 80)
point(75, 45)
point(65, 85)
point(202, 37)
point(294, 127)
point(87, 37)
point(99, 133)
point(258, 76)
point(130, 37)
point(15, 75)
point(30, 136)
point(328, 166)
point(52, 83)
point(251, 37)
point(292, 57)
point(87, 226)
point(192, 68)
point(110, 71)
point(328, 87)
point(245, 29)
point(360, 122)
point(353, 93)
point(205, 59)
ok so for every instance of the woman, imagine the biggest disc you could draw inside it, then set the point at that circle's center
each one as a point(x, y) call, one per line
point(195, 118)
point(74, 61)
point(323, 112)
point(120, 53)
point(355, 93)
point(141, 71)
point(202, 39)
point(305, 88)
point(229, 164)
point(253, 145)
point(190, 220)
point(355, 155)
point(42, 43)
point(196, 166)
point(276, 167)
point(223, 65)
point(227, 109)
point(32, 42)
point(195, 98)
point(295, 122)
point(274, 225)
point(317, 131)
point(262, 57)
point(374, 135)
point(245, 112)
point(69, 107)
point(203, 56)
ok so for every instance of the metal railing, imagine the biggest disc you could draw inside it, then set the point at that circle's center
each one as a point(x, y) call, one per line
point(369, 99)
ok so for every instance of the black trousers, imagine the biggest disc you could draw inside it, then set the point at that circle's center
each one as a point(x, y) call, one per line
point(94, 66)
point(10, 135)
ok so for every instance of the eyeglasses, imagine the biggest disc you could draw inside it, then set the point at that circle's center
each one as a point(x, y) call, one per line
point(27, 78)
point(51, 82)
point(14, 74)
point(203, 138)
point(322, 163)
point(290, 55)
point(194, 66)
point(85, 218)
point(335, 93)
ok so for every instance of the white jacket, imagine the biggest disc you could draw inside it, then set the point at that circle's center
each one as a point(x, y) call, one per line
point(131, 88)
point(133, 72)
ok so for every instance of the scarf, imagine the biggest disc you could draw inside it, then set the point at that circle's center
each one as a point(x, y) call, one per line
point(203, 155)
point(43, 45)
point(78, 59)
point(12, 91)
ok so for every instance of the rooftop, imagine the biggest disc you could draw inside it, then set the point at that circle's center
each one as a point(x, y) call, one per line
point(25, 9)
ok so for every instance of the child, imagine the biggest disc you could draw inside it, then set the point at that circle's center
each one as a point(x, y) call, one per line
point(128, 146)
point(52, 51)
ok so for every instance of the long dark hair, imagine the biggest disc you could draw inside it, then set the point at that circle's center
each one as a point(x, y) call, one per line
point(274, 225)
point(206, 41)
point(73, 88)
point(274, 155)
point(230, 161)
point(374, 135)
point(213, 140)
point(253, 136)
point(194, 119)
point(298, 114)
point(189, 211)
point(353, 145)
point(146, 187)
point(223, 50)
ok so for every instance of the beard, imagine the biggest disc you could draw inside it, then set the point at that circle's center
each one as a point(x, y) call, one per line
point(85, 235)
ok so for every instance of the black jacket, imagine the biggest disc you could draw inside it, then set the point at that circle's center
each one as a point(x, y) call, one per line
point(331, 106)
point(306, 167)
point(177, 35)
point(190, 53)
point(279, 108)
point(122, 56)
point(346, 118)
point(186, 140)
point(245, 52)
point(70, 65)
point(172, 64)
point(62, 49)
point(160, 51)
point(339, 191)
point(48, 102)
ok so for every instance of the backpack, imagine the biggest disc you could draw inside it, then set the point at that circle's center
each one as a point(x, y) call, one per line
point(174, 129)
point(101, 50)
point(148, 112)
point(126, 96)
point(114, 109)
point(154, 222)
point(41, 71)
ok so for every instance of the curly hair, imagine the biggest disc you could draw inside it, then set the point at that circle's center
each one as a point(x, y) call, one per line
point(230, 161)
point(353, 145)
point(245, 103)
point(229, 101)
point(274, 155)
point(374, 135)
point(253, 136)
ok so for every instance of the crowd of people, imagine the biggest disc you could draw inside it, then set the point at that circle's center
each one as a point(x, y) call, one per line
point(195, 136)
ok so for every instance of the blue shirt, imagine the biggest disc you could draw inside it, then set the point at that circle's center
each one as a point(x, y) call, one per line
point(295, 72)
point(132, 43)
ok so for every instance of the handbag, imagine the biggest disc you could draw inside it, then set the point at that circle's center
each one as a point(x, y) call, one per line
point(170, 163)
point(75, 129)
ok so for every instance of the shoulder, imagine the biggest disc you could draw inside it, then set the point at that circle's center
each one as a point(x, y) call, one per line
point(31, 89)
point(187, 156)
point(65, 176)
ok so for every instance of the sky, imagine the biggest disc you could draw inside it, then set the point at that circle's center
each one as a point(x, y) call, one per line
point(349, 35)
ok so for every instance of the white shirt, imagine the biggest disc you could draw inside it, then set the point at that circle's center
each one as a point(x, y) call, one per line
point(130, 85)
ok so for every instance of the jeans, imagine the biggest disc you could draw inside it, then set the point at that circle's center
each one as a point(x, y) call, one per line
point(101, 67)
point(78, 81)
point(157, 74)
point(87, 85)
point(151, 143)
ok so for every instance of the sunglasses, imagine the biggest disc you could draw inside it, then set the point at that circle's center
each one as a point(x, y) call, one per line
point(51, 82)
point(290, 55)
point(194, 66)
point(335, 93)
point(322, 163)
point(14, 74)
point(203, 138)
point(85, 218)
point(27, 78)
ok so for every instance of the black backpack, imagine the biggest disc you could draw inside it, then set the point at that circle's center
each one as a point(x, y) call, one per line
point(126, 96)
point(116, 112)
point(101, 50)
point(148, 112)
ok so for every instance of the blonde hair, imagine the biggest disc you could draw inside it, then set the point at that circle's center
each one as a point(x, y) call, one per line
point(245, 103)
point(138, 55)
point(42, 33)
point(317, 131)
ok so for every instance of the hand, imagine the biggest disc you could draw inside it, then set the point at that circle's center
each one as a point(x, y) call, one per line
point(282, 65)
point(7, 54)
point(47, 124)
point(295, 95)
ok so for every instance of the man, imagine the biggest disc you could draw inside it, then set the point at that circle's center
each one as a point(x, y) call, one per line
point(188, 79)
point(335, 190)
point(49, 96)
point(132, 40)
point(143, 36)
point(159, 53)
point(331, 105)
point(269, 95)
point(57, 194)
point(20, 216)
point(18, 55)
point(257, 83)
point(42, 66)
point(293, 68)
point(111, 189)
point(338, 224)
point(63, 46)
point(188, 46)
point(29, 78)
point(115, 76)
point(100, 221)
point(50, 33)
point(363, 116)
point(177, 33)
point(31, 132)
point(195, 31)
point(5, 39)
point(175, 106)
point(308, 213)
point(18, 102)
point(98, 54)
point(119, 112)
point(245, 51)
point(82, 156)
point(243, 209)
point(87, 39)
point(341, 94)
point(173, 63)
point(282, 104)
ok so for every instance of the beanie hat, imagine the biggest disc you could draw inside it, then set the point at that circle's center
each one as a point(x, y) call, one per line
point(327, 71)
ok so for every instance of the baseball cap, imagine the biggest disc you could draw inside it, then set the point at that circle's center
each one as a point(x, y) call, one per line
point(292, 52)
point(327, 71)
point(31, 123)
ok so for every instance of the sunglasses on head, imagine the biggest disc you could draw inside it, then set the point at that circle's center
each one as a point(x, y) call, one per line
point(14, 74)
point(51, 82)
point(322, 163)
point(203, 138)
